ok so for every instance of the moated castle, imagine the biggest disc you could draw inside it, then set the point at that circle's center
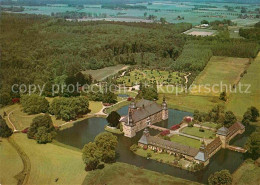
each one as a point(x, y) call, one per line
point(143, 113)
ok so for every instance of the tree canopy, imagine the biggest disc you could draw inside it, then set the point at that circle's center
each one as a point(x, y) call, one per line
point(222, 177)
point(34, 104)
point(5, 131)
point(113, 119)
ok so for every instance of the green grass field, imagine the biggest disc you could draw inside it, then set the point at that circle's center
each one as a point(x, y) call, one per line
point(247, 173)
point(121, 173)
point(225, 70)
point(186, 141)
point(209, 124)
point(163, 157)
point(239, 102)
point(95, 106)
point(190, 103)
point(151, 76)
point(49, 161)
point(11, 163)
point(194, 131)
point(101, 74)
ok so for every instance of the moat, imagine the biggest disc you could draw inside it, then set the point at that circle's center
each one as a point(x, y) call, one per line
point(85, 131)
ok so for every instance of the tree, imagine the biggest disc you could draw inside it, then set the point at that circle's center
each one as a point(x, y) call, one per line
point(145, 14)
point(80, 78)
point(247, 117)
point(222, 177)
point(223, 96)
point(91, 156)
point(5, 99)
point(229, 119)
point(109, 97)
point(163, 20)
point(5, 131)
point(255, 113)
point(42, 129)
point(204, 22)
point(42, 136)
point(34, 104)
point(106, 143)
point(253, 145)
point(113, 119)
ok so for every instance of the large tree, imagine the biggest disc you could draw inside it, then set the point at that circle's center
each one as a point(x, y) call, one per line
point(229, 119)
point(34, 104)
point(106, 143)
point(42, 129)
point(222, 177)
point(253, 145)
point(91, 156)
point(5, 131)
point(113, 119)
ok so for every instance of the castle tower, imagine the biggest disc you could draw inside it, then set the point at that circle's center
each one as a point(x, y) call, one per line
point(129, 128)
point(130, 120)
point(222, 134)
point(202, 155)
point(132, 107)
point(164, 109)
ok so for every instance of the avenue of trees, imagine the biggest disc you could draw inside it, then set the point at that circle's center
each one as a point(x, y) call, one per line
point(101, 151)
point(42, 129)
point(5, 131)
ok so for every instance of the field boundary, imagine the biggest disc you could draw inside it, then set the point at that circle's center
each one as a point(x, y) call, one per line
point(23, 176)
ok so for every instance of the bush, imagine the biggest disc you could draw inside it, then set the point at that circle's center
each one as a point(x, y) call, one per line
point(134, 147)
point(190, 124)
point(5, 131)
point(149, 155)
point(165, 132)
point(201, 130)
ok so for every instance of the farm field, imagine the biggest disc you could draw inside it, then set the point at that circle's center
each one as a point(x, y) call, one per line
point(11, 163)
point(122, 173)
point(219, 70)
point(239, 102)
point(187, 102)
point(103, 73)
point(194, 131)
point(186, 141)
point(51, 162)
point(151, 76)
point(201, 32)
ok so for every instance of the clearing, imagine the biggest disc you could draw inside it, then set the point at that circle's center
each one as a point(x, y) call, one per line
point(101, 74)
point(218, 72)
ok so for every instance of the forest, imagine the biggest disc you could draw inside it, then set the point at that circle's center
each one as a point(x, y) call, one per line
point(41, 50)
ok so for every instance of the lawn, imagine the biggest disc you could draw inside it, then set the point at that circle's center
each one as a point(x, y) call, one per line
point(121, 173)
point(151, 76)
point(11, 163)
point(186, 141)
point(116, 106)
point(194, 131)
point(101, 74)
point(239, 102)
point(209, 124)
point(95, 106)
point(247, 173)
point(162, 157)
point(50, 161)
point(190, 103)
point(225, 70)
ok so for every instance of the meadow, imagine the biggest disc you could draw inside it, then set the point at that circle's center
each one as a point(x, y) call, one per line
point(151, 76)
point(225, 70)
point(101, 74)
point(239, 102)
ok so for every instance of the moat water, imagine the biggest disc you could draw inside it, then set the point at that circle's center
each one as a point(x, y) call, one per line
point(86, 130)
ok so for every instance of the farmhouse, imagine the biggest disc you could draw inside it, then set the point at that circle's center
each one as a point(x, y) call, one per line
point(143, 113)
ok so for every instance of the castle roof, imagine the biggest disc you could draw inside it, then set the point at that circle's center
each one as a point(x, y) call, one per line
point(234, 128)
point(168, 145)
point(145, 108)
point(223, 131)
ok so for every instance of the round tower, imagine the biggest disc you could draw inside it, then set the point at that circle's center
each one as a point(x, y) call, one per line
point(132, 107)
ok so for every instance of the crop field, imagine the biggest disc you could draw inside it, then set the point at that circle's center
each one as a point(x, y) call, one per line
point(150, 77)
point(220, 71)
point(200, 32)
point(239, 102)
point(101, 74)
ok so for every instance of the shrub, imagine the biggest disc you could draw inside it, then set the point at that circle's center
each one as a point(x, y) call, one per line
point(165, 132)
point(134, 147)
point(190, 124)
point(201, 130)
point(145, 147)
point(175, 127)
point(149, 155)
